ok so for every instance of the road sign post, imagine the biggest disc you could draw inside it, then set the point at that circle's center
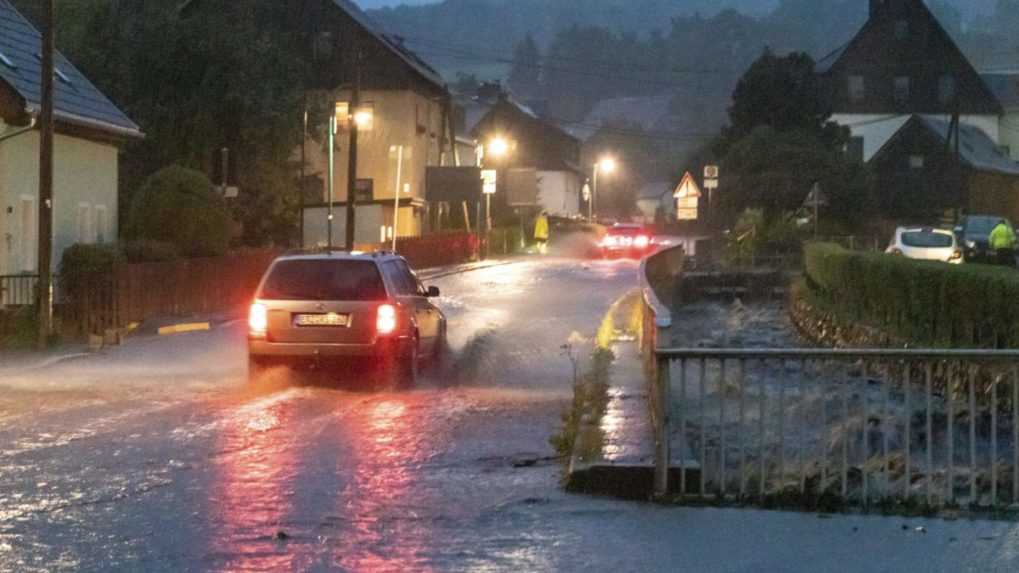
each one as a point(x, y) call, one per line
point(687, 196)
point(710, 183)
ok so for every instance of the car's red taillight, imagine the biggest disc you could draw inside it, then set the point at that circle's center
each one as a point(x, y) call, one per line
point(385, 320)
point(956, 255)
point(258, 320)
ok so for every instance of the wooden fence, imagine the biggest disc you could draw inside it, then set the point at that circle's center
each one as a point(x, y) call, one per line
point(139, 291)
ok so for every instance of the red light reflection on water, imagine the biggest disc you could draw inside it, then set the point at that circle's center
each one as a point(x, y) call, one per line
point(388, 535)
point(248, 499)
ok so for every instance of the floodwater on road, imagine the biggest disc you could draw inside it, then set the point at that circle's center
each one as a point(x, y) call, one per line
point(157, 456)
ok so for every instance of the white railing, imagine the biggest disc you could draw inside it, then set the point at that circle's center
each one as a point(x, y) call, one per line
point(937, 427)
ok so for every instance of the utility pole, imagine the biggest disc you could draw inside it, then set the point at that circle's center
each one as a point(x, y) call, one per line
point(355, 102)
point(332, 173)
point(396, 201)
point(304, 161)
point(46, 180)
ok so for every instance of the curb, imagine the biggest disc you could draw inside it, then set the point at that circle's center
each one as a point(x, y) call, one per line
point(184, 328)
point(49, 362)
point(426, 276)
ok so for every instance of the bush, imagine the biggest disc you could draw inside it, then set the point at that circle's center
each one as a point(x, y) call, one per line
point(179, 206)
point(83, 265)
point(930, 303)
point(149, 251)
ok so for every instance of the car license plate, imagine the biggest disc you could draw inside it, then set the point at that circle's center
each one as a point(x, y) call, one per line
point(329, 319)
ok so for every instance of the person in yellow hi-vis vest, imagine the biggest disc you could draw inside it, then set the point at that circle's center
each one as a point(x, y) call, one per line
point(1002, 243)
point(541, 232)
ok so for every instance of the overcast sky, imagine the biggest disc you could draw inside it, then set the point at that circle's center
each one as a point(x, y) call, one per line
point(369, 4)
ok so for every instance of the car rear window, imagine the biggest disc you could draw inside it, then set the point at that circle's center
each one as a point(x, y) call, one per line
point(324, 280)
point(926, 239)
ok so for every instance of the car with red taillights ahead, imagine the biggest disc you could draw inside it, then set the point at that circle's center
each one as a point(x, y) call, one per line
point(626, 240)
point(331, 307)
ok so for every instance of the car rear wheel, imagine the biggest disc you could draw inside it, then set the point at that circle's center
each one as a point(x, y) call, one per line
point(257, 367)
point(402, 371)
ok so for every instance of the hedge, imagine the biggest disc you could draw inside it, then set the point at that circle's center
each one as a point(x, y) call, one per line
point(928, 303)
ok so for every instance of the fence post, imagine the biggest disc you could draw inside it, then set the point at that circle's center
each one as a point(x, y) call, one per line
point(662, 450)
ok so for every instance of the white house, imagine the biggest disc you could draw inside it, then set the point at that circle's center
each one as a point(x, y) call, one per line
point(90, 130)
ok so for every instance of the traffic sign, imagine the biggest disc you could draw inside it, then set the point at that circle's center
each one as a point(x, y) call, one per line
point(489, 177)
point(687, 187)
point(711, 183)
point(711, 172)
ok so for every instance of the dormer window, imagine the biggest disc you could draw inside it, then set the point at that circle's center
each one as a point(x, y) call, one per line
point(7, 61)
point(56, 71)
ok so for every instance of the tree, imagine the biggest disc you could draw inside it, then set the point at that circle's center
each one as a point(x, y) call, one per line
point(525, 75)
point(179, 206)
point(775, 171)
point(783, 93)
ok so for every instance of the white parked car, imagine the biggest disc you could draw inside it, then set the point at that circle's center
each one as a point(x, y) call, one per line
point(927, 244)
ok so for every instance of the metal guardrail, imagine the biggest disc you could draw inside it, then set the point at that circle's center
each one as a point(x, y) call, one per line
point(17, 290)
point(929, 426)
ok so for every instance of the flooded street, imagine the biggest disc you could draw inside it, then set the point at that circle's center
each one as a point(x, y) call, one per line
point(157, 456)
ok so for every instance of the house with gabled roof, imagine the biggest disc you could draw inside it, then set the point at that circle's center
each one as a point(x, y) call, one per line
point(543, 153)
point(412, 127)
point(90, 131)
point(903, 62)
point(918, 112)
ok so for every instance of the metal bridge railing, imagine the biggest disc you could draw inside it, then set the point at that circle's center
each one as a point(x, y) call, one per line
point(930, 426)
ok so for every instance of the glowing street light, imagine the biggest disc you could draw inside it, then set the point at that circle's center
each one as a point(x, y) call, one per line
point(499, 146)
point(607, 165)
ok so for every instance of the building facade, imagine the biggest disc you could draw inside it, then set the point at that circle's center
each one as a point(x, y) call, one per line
point(89, 133)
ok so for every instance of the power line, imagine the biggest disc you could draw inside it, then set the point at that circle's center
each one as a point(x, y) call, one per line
point(576, 71)
point(586, 63)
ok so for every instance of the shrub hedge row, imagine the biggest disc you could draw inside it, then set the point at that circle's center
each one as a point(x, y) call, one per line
point(929, 303)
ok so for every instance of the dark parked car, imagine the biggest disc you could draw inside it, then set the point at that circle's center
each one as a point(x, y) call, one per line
point(974, 232)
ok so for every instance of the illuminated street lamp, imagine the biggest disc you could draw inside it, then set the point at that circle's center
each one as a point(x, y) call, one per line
point(499, 147)
point(608, 166)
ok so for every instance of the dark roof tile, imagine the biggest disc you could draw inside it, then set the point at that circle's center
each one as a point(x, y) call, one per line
point(77, 100)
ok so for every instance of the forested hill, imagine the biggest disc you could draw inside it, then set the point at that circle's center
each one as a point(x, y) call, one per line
point(442, 31)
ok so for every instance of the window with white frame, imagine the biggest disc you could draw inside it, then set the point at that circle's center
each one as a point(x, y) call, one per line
point(85, 224)
point(102, 224)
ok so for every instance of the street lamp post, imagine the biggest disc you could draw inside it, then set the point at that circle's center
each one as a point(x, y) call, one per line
point(606, 165)
point(498, 148)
